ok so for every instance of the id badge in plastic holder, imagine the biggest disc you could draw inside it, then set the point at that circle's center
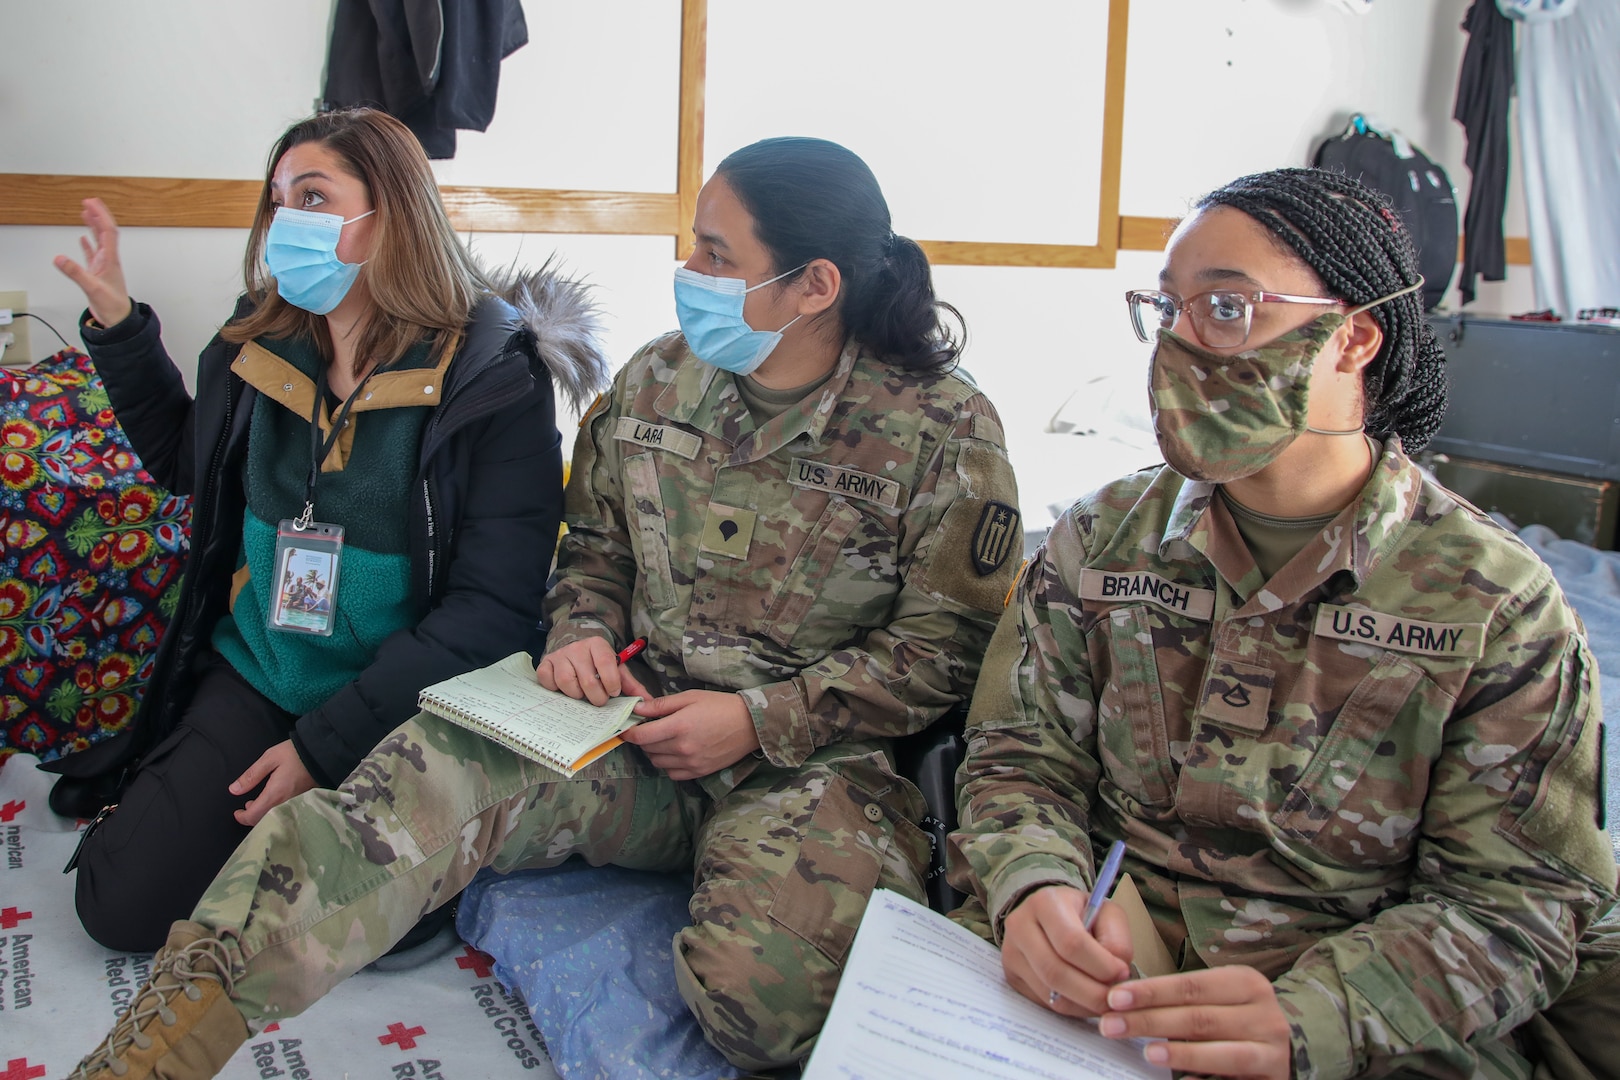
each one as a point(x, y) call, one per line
point(304, 599)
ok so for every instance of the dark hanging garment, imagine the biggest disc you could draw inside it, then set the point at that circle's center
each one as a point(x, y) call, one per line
point(433, 64)
point(478, 35)
point(1484, 91)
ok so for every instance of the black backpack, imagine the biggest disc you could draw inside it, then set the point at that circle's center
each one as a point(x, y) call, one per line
point(1420, 190)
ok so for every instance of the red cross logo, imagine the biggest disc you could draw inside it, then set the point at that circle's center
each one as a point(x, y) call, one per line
point(9, 918)
point(476, 962)
point(19, 1069)
point(7, 812)
point(398, 1033)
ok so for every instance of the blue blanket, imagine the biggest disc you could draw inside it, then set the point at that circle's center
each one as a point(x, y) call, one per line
point(588, 948)
point(1591, 580)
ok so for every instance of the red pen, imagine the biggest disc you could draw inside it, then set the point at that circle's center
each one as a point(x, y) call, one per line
point(629, 652)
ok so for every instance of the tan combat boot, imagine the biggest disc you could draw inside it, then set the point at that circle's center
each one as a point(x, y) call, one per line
point(181, 1024)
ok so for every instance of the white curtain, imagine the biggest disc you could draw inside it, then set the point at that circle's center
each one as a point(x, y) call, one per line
point(1569, 123)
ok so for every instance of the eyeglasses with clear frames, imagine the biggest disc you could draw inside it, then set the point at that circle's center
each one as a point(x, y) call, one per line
point(1222, 319)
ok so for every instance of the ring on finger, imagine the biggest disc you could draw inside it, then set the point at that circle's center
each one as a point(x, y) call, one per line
point(1053, 997)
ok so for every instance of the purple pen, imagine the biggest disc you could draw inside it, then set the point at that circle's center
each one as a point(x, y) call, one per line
point(1105, 883)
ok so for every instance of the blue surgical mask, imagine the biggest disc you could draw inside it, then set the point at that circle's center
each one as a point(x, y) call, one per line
point(301, 251)
point(710, 311)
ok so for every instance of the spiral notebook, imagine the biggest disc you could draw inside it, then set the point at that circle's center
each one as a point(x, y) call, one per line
point(503, 702)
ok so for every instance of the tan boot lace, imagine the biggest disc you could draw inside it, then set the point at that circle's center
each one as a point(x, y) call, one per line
point(182, 970)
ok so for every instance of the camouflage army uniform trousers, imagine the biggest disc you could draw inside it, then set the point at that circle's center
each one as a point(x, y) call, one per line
point(782, 866)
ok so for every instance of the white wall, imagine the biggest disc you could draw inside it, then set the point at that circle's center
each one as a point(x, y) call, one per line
point(1215, 88)
point(983, 123)
point(197, 88)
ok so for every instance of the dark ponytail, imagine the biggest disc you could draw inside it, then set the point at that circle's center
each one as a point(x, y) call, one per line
point(1353, 239)
point(813, 199)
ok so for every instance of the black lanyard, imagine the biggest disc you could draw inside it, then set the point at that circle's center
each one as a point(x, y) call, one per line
point(319, 448)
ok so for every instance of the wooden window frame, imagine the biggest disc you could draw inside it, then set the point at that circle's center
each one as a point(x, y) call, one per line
point(43, 199)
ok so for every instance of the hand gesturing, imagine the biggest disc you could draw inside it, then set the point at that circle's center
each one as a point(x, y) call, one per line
point(102, 275)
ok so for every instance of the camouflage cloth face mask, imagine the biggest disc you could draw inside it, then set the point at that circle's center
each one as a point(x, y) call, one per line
point(1221, 418)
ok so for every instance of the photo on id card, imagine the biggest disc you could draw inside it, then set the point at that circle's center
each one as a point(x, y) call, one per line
point(305, 597)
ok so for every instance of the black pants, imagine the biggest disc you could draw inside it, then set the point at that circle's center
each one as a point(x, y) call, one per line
point(149, 862)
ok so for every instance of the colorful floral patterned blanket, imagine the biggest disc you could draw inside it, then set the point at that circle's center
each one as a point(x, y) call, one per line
point(90, 556)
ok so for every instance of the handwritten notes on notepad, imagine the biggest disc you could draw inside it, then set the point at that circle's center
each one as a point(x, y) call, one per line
point(504, 702)
point(921, 996)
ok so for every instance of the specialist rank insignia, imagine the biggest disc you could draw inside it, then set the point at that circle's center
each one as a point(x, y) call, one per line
point(993, 539)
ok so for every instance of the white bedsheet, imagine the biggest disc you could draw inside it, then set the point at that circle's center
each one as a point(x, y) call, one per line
point(59, 991)
point(1100, 432)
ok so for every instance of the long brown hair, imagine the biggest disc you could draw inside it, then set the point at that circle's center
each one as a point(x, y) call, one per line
point(421, 281)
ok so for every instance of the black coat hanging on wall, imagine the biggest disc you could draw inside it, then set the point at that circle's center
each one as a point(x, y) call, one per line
point(1484, 92)
point(433, 64)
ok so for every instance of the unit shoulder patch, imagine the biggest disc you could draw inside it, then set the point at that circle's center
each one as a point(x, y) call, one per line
point(1117, 586)
point(993, 539)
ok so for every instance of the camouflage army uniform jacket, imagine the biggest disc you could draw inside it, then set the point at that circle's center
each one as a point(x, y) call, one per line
point(1374, 777)
point(842, 566)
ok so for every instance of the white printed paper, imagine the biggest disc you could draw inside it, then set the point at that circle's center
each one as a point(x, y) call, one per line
point(922, 996)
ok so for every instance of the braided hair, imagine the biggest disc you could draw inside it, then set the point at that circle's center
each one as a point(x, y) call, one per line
point(1359, 248)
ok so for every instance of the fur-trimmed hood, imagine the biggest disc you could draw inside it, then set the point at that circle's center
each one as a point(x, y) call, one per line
point(563, 317)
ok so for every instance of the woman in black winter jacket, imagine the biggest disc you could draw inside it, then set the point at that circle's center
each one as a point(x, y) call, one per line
point(375, 467)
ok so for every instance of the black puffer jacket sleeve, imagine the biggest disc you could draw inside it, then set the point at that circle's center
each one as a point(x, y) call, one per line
point(502, 500)
point(147, 393)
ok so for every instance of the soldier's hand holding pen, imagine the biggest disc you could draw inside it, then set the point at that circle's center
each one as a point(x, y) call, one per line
point(1061, 947)
point(1072, 954)
point(591, 669)
point(689, 734)
point(1050, 957)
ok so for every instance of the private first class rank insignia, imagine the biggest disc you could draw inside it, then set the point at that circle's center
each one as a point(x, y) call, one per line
point(993, 539)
